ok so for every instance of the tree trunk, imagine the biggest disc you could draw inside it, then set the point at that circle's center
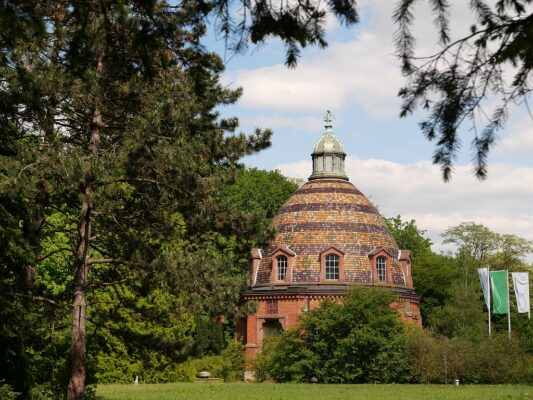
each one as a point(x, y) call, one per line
point(76, 387)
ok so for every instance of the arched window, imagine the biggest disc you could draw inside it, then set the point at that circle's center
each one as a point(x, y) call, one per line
point(332, 267)
point(282, 268)
point(381, 268)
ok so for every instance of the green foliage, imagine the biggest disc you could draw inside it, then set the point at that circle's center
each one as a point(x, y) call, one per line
point(354, 341)
point(184, 372)
point(262, 362)
point(455, 84)
point(139, 332)
point(433, 274)
point(261, 193)
point(115, 367)
point(211, 364)
point(233, 361)
point(408, 236)
point(489, 360)
point(109, 119)
point(473, 240)
point(461, 314)
point(112, 158)
point(7, 393)
point(249, 203)
point(228, 365)
point(209, 337)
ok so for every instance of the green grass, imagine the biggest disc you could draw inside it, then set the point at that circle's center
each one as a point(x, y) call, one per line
point(261, 391)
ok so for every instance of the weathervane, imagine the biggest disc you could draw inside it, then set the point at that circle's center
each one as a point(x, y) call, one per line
point(328, 122)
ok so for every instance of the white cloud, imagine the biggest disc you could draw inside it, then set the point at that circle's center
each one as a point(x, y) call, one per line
point(503, 202)
point(307, 123)
point(362, 72)
point(519, 141)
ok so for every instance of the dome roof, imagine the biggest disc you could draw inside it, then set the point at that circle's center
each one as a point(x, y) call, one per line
point(325, 214)
point(328, 143)
point(329, 214)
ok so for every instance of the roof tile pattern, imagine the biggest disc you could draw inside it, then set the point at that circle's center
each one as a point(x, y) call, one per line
point(326, 213)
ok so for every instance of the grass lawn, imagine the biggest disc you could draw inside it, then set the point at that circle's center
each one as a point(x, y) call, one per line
point(261, 391)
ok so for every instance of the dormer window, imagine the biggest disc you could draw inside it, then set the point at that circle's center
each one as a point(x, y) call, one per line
point(332, 267)
point(381, 261)
point(381, 269)
point(282, 261)
point(282, 268)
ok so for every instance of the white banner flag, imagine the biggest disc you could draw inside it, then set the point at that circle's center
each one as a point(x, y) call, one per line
point(521, 289)
point(484, 279)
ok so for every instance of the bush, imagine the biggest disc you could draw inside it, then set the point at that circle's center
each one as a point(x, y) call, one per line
point(229, 365)
point(184, 372)
point(491, 360)
point(426, 356)
point(233, 361)
point(358, 340)
point(262, 362)
point(7, 393)
point(213, 364)
point(115, 368)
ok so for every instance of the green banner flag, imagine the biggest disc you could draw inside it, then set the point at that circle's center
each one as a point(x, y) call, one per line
point(498, 281)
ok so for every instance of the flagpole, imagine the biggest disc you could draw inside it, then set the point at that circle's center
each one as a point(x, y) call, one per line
point(489, 305)
point(508, 305)
point(529, 308)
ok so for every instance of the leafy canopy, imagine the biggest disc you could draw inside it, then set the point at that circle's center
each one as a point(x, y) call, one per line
point(356, 340)
point(456, 84)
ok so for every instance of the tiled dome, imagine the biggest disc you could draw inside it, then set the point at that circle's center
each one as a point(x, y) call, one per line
point(326, 213)
point(330, 215)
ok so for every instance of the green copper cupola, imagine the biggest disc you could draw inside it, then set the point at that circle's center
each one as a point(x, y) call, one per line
point(328, 154)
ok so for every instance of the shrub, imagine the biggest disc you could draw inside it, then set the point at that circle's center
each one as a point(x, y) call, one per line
point(115, 368)
point(360, 339)
point(213, 364)
point(490, 360)
point(7, 393)
point(262, 362)
point(233, 361)
point(426, 356)
point(229, 365)
point(184, 372)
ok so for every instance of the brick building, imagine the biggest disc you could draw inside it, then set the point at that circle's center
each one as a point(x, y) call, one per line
point(329, 237)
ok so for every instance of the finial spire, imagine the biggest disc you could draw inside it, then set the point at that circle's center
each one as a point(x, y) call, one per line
point(328, 122)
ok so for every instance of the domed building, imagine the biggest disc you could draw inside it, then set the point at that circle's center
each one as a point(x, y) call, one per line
point(329, 237)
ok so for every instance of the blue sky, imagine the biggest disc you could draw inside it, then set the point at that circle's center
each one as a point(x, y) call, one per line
point(357, 78)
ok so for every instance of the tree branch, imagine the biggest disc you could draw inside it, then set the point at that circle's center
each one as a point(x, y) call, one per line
point(108, 261)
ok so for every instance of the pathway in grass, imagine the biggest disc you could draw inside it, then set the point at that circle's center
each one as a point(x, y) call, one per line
point(264, 391)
